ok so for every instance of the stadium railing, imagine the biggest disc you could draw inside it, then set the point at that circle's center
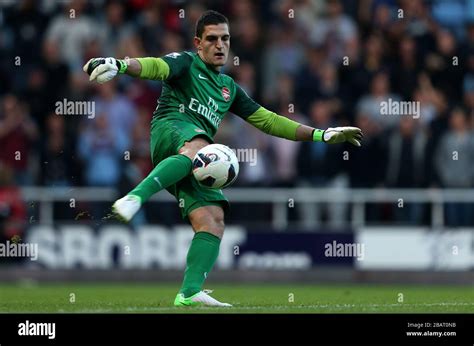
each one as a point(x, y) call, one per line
point(278, 197)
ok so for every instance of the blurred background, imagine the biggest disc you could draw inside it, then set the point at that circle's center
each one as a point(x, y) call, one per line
point(406, 194)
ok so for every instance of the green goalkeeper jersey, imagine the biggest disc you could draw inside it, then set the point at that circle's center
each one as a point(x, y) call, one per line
point(195, 92)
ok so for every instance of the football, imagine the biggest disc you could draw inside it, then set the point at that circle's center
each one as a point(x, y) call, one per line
point(215, 166)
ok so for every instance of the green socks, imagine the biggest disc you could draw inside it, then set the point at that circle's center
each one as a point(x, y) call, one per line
point(166, 173)
point(201, 258)
point(205, 246)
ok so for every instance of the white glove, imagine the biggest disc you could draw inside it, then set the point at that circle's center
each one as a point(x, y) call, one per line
point(104, 69)
point(349, 134)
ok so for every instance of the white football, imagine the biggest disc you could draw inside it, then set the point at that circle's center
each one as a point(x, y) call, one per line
point(215, 166)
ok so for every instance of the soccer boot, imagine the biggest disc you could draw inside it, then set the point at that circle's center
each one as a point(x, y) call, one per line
point(199, 299)
point(126, 207)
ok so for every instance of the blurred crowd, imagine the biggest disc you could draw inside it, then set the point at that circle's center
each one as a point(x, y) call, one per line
point(325, 63)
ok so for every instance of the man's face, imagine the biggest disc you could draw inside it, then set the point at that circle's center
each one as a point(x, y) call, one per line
point(213, 46)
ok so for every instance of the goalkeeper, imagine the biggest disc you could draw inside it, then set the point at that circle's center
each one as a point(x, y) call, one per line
point(194, 100)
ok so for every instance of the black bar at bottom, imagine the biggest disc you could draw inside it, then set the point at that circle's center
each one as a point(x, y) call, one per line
point(241, 329)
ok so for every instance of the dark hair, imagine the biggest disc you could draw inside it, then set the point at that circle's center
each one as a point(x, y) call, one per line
point(209, 18)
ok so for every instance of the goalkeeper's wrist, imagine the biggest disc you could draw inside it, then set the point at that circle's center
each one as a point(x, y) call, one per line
point(121, 65)
point(318, 135)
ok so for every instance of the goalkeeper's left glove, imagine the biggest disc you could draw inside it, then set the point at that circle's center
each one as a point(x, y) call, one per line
point(104, 69)
point(335, 135)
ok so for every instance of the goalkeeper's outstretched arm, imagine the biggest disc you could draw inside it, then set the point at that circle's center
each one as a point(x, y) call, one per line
point(134, 67)
point(280, 126)
point(104, 69)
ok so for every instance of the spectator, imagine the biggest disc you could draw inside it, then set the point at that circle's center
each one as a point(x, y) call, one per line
point(56, 153)
point(456, 154)
point(45, 83)
point(371, 104)
point(114, 27)
point(17, 135)
point(72, 30)
point(27, 25)
point(334, 31)
point(245, 77)
point(247, 42)
point(445, 65)
point(150, 28)
point(330, 89)
point(436, 130)
point(320, 165)
point(366, 165)
point(405, 74)
point(361, 67)
point(406, 164)
point(283, 56)
point(12, 208)
point(119, 110)
point(307, 78)
point(468, 82)
point(102, 150)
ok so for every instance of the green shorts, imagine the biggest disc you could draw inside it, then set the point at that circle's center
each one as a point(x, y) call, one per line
point(167, 137)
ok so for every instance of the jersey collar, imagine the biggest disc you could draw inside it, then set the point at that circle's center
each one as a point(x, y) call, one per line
point(207, 66)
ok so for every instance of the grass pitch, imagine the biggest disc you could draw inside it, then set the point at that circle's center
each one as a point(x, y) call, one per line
point(246, 298)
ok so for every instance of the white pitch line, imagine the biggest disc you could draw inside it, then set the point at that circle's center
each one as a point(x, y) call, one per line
point(275, 307)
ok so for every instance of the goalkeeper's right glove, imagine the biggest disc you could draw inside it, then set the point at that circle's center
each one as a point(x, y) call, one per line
point(104, 69)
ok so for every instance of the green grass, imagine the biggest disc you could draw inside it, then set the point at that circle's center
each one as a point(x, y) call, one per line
point(271, 298)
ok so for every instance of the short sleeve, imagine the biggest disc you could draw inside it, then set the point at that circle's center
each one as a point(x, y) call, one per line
point(178, 63)
point(243, 105)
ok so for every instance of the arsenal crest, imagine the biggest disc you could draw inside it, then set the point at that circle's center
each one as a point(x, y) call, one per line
point(226, 94)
